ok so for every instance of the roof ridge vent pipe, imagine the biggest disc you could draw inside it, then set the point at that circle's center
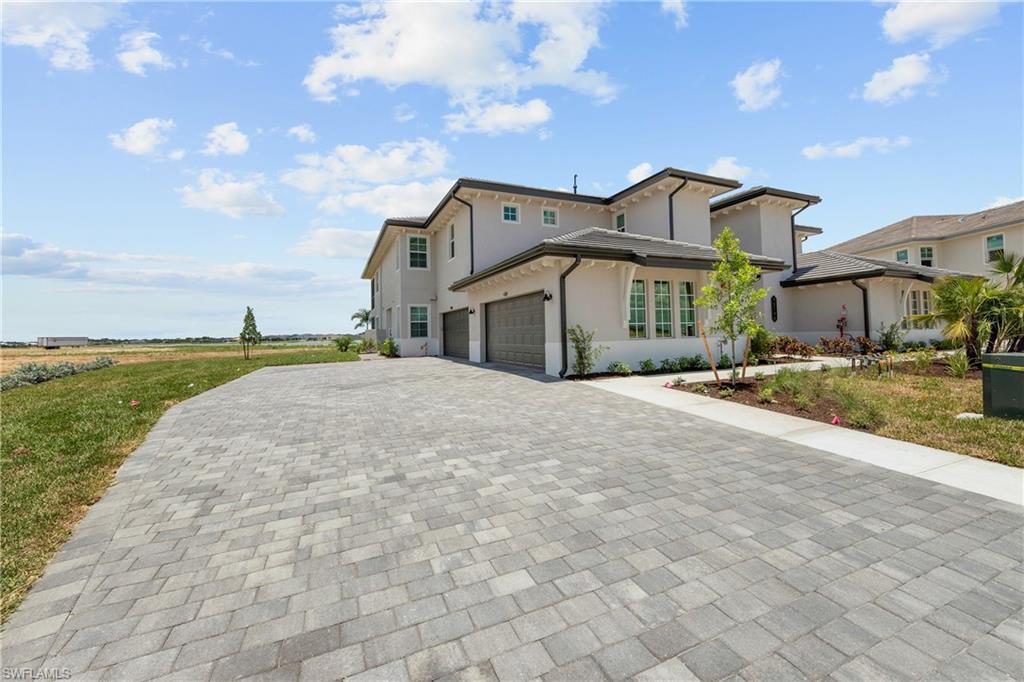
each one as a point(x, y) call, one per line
point(564, 315)
point(671, 212)
point(463, 201)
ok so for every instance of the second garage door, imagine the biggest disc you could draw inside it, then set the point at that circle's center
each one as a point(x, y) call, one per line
point(456, 333)
point(515, 330)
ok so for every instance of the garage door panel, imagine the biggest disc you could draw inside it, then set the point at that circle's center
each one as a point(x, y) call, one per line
point(456, 333)
point(515, 330)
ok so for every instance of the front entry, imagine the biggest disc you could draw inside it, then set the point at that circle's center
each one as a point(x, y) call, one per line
point(515, 330)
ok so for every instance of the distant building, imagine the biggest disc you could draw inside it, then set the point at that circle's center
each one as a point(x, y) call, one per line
point(61, 341)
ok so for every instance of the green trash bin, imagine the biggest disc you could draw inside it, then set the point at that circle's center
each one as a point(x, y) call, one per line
point(1002, 380)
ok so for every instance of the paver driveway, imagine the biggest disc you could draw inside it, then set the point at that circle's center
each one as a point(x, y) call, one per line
point(419, 518)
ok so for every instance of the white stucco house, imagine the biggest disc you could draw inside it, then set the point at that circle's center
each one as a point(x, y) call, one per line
point(497, 272)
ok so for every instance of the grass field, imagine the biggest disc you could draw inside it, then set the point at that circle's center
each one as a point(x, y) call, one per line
point(62, 441)
point(131, 353)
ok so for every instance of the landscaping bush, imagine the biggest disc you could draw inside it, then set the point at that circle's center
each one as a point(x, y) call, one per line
point(670, 365)
point(766, 395)
point(759, 376)
point(890, 338)
point(37, 373)
point(343, 343)
point(837, 346)
point(620, 368)
point(914, 345)
point(790, 345)
point(724, 362)
point(585, 353)
point(647, 365)
point(944, 344)
point(366, 346)
point(761, 343)
point(389, 348)
point(921, 360)
point(865, 345)
point(958, 364)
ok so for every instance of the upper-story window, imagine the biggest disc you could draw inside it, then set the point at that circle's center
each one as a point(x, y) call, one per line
point(418, 252)
point(510, 213)
point(993, 247)
point(927, 254)
point(620, 221)
point(902, 256)
point(451, 241)
point(549, 217)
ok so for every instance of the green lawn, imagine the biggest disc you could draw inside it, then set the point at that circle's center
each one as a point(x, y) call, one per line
point(61, 442)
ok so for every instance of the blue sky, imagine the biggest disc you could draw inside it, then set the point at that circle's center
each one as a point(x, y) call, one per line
point(167, 164)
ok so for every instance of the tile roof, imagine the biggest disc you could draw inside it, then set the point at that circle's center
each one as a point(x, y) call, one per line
point(933, 228)
point(830, 266)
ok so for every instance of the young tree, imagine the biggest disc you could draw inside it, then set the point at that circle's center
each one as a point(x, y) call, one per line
point(964, 306)
point(362, 318)
point(733, 293)
point(250, 335)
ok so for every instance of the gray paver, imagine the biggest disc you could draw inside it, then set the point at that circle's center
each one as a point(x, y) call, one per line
point(405, 519)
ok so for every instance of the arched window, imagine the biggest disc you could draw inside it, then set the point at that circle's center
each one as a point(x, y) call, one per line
point(775, 309)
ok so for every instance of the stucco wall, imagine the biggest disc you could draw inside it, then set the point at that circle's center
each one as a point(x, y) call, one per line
point(963, 254)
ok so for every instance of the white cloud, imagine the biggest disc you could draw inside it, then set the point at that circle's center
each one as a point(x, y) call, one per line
point(853, 150)
point(501, 49)
point(639, 172)
point(414, 198)
point(902, 79)
point(60, 32)
point(137, 53)
point(404, 113)
point(23, 255)
point(176, 154)
point(206, 46)
point(494, 119)
point(349, 165)
point(941, 23)
point(143, 138)
point(336, 242)
point(676, 8)
point(232, 196)
point(226, 138)
point(727, 167)
point(757, 87)
point(1004, 201)
point(303, 133)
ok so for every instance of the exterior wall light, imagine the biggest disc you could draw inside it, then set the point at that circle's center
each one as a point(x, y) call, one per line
point(547, 295)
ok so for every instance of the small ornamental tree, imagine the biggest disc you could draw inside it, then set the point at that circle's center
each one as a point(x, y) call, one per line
point(733, 293)
point(250, 335)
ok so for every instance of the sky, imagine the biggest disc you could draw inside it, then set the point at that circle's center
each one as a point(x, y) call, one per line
point(165, 165)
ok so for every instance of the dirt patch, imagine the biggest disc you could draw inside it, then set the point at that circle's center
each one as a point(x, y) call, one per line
point(824, 409)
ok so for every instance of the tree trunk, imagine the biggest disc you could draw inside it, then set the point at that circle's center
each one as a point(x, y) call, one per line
point(732, 358)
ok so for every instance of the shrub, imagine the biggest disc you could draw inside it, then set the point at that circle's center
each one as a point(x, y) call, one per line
point(859, 412)
point(343, 343)
point(837, 346)
point(389, 348)
point(670, 365)
point(698, 362)
point(914, 345)
point(958, 364)
point(802, 402)
point(865, 345)
point(724, 362)
point(790, 345)
point(678, 381)
point(944, 344)
point(367, 346)
point(890, 338)
point(761, 342)
point(620, 368)
point(921, 360)
point(703, 388)
point(647, 365)
point(585, 353)
point(759, 376)
point(726, 392)
point(766, 395)
point(37, 373)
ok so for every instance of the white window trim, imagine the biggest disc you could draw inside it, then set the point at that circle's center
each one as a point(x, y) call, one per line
point(451, 242)
point(896, 256)
point(408, 318)
point(557, 217)
point(408, 250)
point(615, 221)
point(519, 213)
point(984, 245)
point(920, 257)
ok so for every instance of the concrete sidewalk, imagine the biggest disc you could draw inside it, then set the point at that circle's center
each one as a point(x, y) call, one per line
point(959, 471)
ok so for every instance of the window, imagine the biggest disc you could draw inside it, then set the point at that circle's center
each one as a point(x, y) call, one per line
point(927, 256)
point(638, 310)
point(687, 310)
point(510, 213)
point(993, 247)
point(902, 256)
point(418, 321)
point(549, 217)
point(662, 309)
point(918, 303)
point(775, 309)
point(620, 221)
point(926, 307)
point(373, 292)
point(451, 241)
point(418, 252)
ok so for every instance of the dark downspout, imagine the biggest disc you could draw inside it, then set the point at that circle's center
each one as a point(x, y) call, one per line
point(564, 316)
point(864, 297)
point(792, 231)
point(471, 261)
point(671, 212)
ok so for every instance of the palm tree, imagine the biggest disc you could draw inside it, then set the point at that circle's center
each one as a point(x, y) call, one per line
point(964, 306)
point(1011, 266)
point(362, 318)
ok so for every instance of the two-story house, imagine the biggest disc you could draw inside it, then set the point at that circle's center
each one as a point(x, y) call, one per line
point(498, 272)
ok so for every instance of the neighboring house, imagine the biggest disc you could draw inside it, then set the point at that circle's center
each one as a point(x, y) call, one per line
point(497, 272)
